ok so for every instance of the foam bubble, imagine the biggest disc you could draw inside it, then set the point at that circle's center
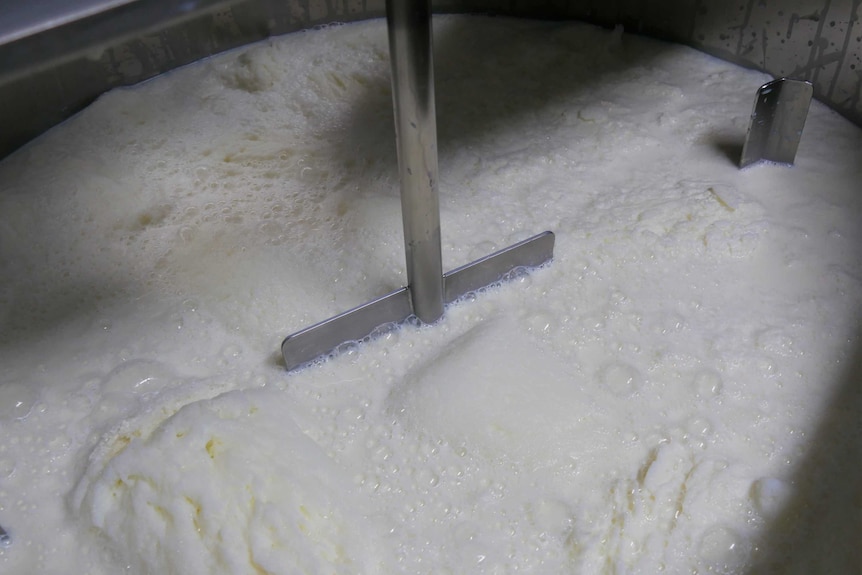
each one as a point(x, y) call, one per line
point(708, 383)
point(17, 400)
point(620, 378)
point(138, 375)
point(723, 549)
point(7, 467)
point(769, 495)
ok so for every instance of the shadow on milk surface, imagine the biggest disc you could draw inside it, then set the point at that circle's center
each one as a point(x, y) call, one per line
point(819, 527)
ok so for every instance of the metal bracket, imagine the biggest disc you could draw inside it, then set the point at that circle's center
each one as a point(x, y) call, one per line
point(780, 111)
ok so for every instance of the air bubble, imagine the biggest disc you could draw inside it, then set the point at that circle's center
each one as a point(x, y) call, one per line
point(769, 494)
point(231, 352)
point(186, 233)
point(7, 467)
point(427, 478)
point(670, 323)
point(137, 374)
point(349, 348)
point(698, 429)
point(723, 549)
point(708, 383)
point(620, 378)
point(17, 401)
point(540, 322)
point(776, 341)
point(519, 275)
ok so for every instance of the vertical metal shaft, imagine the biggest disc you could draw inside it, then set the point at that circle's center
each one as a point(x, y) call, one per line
point(409, 24)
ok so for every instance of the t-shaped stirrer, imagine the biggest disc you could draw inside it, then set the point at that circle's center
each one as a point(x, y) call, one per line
point(428, 289)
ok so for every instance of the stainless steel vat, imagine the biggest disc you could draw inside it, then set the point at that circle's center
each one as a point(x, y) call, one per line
point(56, 56)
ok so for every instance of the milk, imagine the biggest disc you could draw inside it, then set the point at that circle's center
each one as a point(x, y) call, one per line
point(648, 401)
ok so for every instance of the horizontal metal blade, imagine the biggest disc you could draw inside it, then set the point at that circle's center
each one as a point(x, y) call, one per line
point(390, 310)
point(492, 268)
point(353, 325)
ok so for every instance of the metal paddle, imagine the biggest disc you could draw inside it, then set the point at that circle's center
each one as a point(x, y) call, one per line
point(428, 289)
point(779, 114)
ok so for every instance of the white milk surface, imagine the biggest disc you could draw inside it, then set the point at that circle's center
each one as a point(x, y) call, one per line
point(675, 392)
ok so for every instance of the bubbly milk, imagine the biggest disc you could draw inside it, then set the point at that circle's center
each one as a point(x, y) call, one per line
point(675, 392)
